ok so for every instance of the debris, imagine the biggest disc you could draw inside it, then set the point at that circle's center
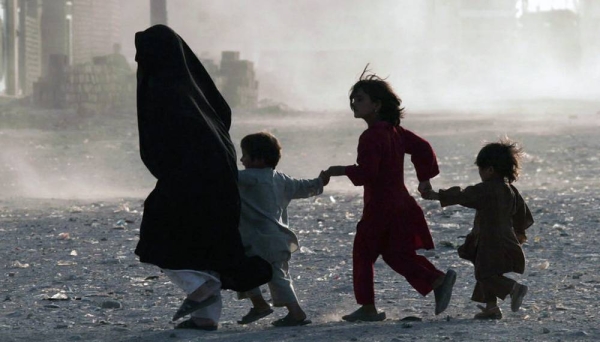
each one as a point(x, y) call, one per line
point(64, 236)
point(306, 250)
point(544, 265)
point(18, 264)
point(59, 296)
point(121, 224)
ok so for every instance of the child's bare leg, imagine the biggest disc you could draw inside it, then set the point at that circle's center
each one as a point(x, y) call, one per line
point(491, 304)
point(491, 309)
point(295, 311)
point(260, 308)
point(259, 303)
point(295, 317)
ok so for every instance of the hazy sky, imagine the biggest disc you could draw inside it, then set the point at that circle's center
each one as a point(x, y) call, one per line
point(280, 37)
point(308, 53)
point(253, 26)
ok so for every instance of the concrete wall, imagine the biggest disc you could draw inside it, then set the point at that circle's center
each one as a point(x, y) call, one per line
point(98, 87)
point(91, 87)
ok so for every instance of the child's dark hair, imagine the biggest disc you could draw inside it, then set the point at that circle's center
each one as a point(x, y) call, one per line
point(380, 90)
point(262, 145)
point(504, 156)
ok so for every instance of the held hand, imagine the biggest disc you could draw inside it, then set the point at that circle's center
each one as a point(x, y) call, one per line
point(430, 195)
point(424, 187)
point(333, 171)
point(325, 177)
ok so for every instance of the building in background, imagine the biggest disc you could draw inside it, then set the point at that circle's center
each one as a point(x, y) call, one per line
point(34, 30)
point(94, 28)
point(20, 48)
point(80, 60)
point(66, 53)
point(237, 80)
point(40, 40)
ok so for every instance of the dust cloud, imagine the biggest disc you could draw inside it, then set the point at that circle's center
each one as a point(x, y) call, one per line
point(69, 155)
point(437, 54)
point(529, 65)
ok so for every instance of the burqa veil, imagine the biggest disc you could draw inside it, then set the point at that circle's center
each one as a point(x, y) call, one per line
point(191, 217)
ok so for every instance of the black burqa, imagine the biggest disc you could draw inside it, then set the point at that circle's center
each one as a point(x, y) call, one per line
point(191, 217)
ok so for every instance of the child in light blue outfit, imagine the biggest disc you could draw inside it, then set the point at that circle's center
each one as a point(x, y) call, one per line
point(265, 194)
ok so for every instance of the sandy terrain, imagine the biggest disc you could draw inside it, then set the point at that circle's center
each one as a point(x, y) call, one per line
point(72, 188)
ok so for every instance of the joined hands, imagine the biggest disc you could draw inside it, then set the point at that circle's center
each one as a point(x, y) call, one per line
point(325, 177)
point(427, 191)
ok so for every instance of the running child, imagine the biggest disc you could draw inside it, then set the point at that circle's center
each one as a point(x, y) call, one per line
point(266, 194)
point(501, 218)
point(392, 224)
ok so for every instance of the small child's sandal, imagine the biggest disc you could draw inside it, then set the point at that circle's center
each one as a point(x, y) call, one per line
point(492, 313)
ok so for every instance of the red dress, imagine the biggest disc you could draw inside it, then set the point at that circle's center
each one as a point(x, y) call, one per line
point(393, 224)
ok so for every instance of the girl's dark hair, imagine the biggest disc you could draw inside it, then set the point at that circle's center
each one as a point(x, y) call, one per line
point(262, 145)
point(380, 90)
point(504, 156)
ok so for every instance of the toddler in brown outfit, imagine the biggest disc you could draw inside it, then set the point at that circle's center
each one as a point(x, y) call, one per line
point(494, 243)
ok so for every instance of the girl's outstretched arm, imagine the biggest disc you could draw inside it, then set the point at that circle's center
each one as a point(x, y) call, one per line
point(430, 195)
point(334, 171)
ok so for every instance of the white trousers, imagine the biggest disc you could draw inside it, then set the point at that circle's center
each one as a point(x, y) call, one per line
point(189, 281)
point(281, 286)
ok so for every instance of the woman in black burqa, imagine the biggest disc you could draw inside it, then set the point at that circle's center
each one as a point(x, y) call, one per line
point(190, 224)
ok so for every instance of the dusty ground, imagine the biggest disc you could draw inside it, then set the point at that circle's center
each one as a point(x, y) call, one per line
point(72, 188)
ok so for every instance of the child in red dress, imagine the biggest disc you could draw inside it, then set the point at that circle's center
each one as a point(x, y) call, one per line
point(392, 224)
point(494, 243)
